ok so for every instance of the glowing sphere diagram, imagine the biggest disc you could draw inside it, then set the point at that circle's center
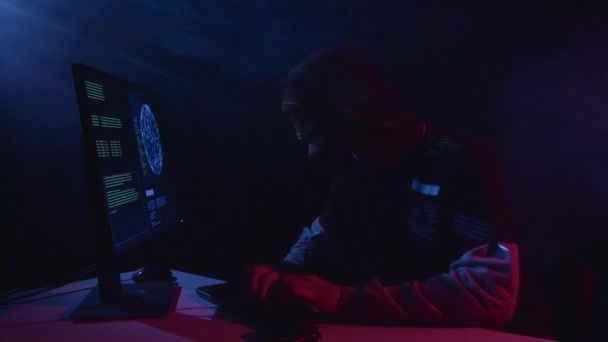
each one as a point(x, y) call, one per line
point(151, 139)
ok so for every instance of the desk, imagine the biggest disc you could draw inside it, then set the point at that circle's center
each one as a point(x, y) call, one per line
point(193, 320)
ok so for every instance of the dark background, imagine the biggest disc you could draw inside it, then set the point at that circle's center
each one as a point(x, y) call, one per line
point(531, 79)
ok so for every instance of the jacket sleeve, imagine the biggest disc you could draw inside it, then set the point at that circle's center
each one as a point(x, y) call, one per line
point(304, 249)
point(480, 289)
point(307, 252)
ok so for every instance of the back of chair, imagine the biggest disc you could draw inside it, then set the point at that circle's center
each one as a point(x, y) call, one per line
point(573, 284)
point(535, 308)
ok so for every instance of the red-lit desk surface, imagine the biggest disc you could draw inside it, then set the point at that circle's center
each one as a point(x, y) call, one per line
point(193, 320)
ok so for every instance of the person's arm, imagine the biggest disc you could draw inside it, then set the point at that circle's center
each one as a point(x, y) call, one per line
point(303, 250)
point(480, 289)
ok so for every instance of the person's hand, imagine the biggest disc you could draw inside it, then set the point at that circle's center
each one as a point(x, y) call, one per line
point(258, 279)
point(315, 292)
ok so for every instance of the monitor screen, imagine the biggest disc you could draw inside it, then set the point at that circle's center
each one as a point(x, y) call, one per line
point(123, 119)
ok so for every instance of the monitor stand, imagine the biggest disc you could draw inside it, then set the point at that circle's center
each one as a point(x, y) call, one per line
point(135, 301)
point(153, 274)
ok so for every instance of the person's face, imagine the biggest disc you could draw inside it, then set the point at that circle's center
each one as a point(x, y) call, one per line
point(308, 129)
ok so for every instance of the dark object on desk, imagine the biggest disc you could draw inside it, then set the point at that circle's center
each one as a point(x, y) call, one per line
point(229, 296)
point(153, 274)
point(293, 332)
point(291, 323)
point(220, 294)
point(135, 301)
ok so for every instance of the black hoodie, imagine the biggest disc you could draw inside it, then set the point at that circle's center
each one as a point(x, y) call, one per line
point(417, 228)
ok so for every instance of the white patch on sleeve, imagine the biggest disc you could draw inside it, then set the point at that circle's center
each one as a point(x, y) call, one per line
point(316, 228)
point(425, 189)
point(304, 247)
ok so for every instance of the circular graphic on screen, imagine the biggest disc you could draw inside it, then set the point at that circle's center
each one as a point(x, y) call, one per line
point(151, 139)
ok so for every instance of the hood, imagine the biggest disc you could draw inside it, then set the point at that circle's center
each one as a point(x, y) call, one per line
point(355, 103)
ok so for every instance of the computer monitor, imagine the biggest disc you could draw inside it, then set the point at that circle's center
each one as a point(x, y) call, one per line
point(129, 186)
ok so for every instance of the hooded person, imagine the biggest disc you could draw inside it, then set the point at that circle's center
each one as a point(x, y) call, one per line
point(417, 228)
